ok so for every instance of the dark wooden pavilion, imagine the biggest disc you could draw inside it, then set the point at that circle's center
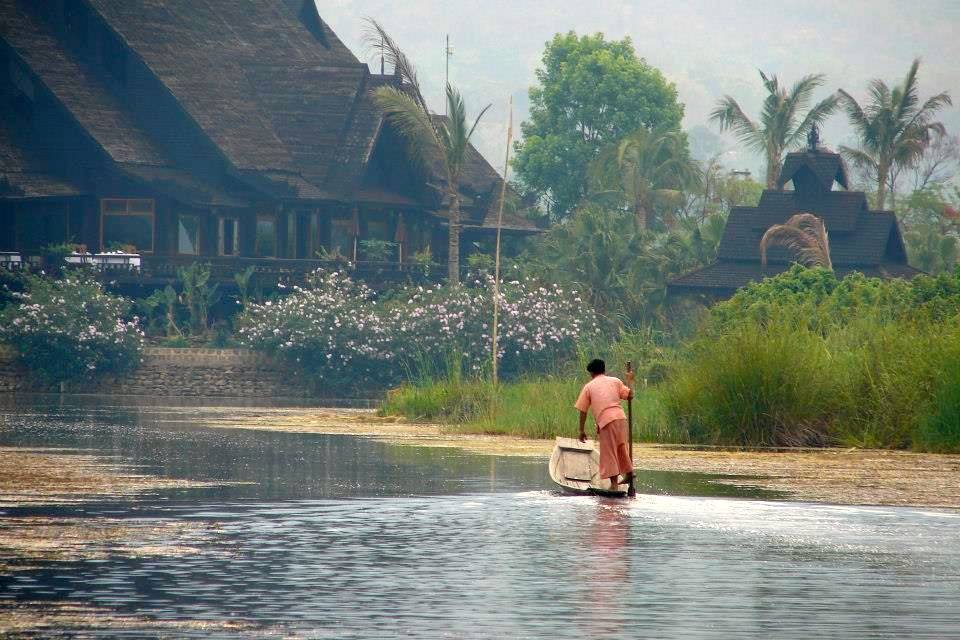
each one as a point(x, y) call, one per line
point(814, 181)
point(232, 132)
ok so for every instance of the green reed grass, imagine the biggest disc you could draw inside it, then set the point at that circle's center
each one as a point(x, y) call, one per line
point(537, 408)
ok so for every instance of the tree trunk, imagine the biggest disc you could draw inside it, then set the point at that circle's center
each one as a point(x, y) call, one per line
point(773, 171)
point(453, 245)
point(881, 187)
point(640, 214)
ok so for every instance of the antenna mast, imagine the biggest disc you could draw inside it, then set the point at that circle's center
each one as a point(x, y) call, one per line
point(447, 53)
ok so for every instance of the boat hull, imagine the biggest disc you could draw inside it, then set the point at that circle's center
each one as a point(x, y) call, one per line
point(574, 467)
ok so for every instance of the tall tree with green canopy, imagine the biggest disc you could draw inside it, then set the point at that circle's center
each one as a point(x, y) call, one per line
point(591, 93)
point(431, 140)
point(894, 128)
point(784, 120)
point(648, 169)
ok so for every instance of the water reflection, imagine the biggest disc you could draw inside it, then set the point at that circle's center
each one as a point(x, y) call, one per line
point(347, 537)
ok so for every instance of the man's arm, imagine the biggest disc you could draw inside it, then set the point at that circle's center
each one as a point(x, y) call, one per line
point(583, 422)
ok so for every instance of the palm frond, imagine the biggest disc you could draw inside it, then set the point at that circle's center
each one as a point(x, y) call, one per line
point(799, 96)
point(378, 40)
point(858, 158)
point(805, 235)
point(816, 116)
point(906, 94)
point(477, 121)
point(730, 117)
point(412, 123)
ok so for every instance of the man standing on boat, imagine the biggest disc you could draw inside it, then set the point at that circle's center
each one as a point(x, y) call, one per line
point(602, 395)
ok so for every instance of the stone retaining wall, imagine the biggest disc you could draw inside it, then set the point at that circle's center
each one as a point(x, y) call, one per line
point(225, 373)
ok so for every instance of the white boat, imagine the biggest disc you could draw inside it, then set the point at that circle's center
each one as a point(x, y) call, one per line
point(575, 465)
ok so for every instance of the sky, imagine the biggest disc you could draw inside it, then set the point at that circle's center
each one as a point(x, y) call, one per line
point(706, 48)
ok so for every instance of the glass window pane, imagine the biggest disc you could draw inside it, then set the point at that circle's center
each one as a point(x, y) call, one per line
point(38, 228)
point(141, 206)
point(314, 243)
point(291, 244)
point(266, 242)
point(41, 228)
point(341, 238)
point(8, 230)
point(188, 235)
point(115, 206)
point(229, 236)
point(378, 230)
point(134, 231)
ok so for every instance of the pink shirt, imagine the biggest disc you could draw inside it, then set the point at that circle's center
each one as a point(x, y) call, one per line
point(602, 396)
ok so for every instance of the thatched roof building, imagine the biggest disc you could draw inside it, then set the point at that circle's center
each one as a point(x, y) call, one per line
point(815, 181)
point(209, 128)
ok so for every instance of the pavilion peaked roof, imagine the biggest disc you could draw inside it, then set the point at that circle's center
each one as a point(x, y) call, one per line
point(825, 166)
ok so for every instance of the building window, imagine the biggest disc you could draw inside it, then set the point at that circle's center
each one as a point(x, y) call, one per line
point(229, 237)
point(341, 237)
point(188, 235)
point(127, 224)
point(378, 229)
point(40, 225)
point(290, 247)
point(265, 245)
point(313, 244)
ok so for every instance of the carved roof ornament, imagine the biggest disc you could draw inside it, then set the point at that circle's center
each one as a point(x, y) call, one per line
point(813, 138)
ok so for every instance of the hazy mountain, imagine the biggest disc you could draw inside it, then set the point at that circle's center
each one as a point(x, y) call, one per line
point(707, 48)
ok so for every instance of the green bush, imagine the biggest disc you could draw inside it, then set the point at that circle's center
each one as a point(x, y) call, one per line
point(804, 358)
point(68, 330)
point(770, 385)
point(939, 430)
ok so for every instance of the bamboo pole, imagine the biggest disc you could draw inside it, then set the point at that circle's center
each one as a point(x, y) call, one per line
point(496, 264)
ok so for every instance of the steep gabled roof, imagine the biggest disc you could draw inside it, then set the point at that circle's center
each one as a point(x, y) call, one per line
point(266, 83)
point(860, 239)
point(864, 244)
point(257, 81)
point(20, 177)
point(825, 166)
point(83, 93)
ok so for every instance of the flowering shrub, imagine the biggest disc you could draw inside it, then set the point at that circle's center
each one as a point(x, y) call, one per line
point(537, 325)
point(70, 329)
point(337, 331)
point(330, 329)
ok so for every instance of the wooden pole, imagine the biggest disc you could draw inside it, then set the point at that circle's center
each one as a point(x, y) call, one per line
point(633, 475)
point(496, 262)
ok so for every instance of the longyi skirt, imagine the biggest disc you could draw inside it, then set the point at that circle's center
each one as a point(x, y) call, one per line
point(614, 449)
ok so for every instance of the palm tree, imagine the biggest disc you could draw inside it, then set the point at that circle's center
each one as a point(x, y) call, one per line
point(781, 125)
point(894, 128)
point(432, 141)
point(804, 234)
point(650, 168)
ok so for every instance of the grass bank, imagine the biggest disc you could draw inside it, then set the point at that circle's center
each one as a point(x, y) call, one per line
point(802, 359)
point(539, 408)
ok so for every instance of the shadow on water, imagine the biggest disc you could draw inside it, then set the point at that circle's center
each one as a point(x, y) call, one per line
point(340, 536)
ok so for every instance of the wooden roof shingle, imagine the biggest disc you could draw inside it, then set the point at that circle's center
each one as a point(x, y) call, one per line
point(828, 167)
point(21, 178)
point(83, 93)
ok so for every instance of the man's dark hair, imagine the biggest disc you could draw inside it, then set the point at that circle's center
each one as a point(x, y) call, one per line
point(597, 366)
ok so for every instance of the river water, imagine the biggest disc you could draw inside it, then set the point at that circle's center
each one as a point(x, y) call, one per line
point(341, 537)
